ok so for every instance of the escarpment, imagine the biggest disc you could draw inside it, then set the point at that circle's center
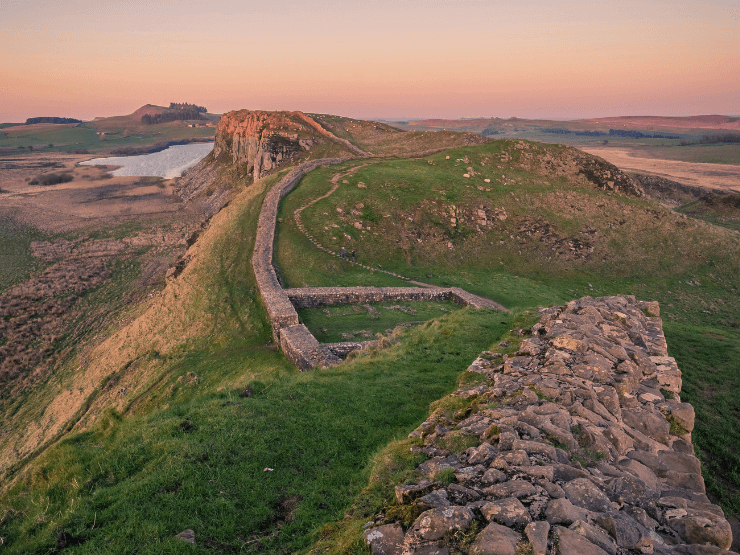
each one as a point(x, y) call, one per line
point(262, 141)
point(577, 442)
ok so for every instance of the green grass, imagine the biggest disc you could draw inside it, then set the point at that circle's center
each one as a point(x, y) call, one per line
point(358, 323)
point(709, 358)
point(136, 482)
point(84, 137)
point(715, 214)
point(17, 262)
point(690, 267)
point(221, 406)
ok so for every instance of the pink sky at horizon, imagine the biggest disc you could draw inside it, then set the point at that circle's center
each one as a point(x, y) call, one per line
point(385, 59)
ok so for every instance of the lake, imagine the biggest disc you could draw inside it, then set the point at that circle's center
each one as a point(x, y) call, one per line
point(167, 163)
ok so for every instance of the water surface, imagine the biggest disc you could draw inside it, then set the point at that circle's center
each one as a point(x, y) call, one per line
point(167, 163)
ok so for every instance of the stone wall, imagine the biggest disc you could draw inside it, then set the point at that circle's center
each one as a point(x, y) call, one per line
point(308, 297)
point(295, 339)
point(279, 308)
point(579, 444)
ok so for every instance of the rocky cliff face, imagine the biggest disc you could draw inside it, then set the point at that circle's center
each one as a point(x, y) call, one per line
point(579, 444)
point(262, 141)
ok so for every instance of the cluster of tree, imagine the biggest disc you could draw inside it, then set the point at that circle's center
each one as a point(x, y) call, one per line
point(178, 111)
point(720, 138)
point(186, 106)
point(488, 131)
point(563, 131)
point(30, 121)
point(176, 115)
point(632, 134)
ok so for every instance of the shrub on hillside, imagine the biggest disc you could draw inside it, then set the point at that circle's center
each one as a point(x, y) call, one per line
point(52, 179)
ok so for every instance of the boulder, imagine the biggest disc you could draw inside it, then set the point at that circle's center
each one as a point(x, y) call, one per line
point(385, 540)
point(562, 511)
point(596, 536)
point(495, 540)
point(536, 533)
point(583, 493)
point(572, 543)
point(512, 488)
point(508, 512)
point(652, 424)
point(435, 523)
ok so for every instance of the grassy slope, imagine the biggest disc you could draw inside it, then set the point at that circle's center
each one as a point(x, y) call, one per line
point(84, 137)
point(638, 248)
point(180, 451)
point(138, 475)
point(17, 262)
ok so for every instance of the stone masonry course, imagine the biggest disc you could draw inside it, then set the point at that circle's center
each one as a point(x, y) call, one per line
point(579, 444)
point(296, 341)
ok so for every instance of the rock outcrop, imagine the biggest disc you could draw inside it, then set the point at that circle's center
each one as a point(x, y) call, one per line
point(263, 141)
point(578, 443)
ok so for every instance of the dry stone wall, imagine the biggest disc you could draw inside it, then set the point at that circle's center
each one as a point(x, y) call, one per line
point(579, 444)
point(279, 308)
point(309, 297)
point(296, 341)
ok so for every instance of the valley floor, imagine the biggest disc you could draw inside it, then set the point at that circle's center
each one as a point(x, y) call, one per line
point(725, 177)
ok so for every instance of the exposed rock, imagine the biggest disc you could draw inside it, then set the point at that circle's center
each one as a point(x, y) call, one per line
point(562, 511)
point(508, 512)
point(572, 543)
point(435, 523)
point(495, 540)
point(187, 536)
point(536, 533)
point(606, 454)
point(385, 540)
point(515, 488)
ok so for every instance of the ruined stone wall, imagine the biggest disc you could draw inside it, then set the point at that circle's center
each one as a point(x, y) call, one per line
point(579, 444)
point(298, 344)
point(308, 297)
point(279, 307)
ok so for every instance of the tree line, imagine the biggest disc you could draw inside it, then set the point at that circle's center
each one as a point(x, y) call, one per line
point(30, 121)
point(176, 115)
point(720, 138)
point(186, 106)
point(630, 133)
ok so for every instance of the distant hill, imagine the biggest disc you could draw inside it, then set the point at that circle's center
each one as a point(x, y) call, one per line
point(188, 122)
point(492, 126)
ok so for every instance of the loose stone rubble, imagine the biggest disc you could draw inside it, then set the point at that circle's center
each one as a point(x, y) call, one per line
point(580, 445)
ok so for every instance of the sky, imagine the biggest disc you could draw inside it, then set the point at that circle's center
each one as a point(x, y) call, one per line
point(372, 59)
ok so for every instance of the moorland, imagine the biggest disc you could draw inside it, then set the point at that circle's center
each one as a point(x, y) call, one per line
point(142, 394)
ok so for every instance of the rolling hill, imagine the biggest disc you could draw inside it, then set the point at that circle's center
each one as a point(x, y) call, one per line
point(180, 414)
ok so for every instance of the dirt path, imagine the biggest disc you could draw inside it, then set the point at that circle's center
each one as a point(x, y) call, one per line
point(297, 216)
point(711, 176)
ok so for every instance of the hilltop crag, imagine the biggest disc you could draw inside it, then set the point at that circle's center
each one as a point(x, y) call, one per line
point(262, 141)
point(579, 443)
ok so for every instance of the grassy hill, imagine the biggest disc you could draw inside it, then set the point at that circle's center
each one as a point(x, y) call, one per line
point(185, 416)
point(671, 138)
point(102, 134)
